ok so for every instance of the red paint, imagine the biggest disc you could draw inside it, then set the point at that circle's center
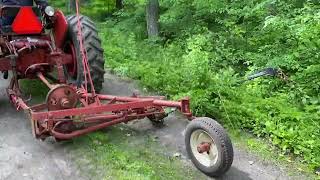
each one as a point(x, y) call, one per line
point(60, 29)
point(204, 147)
point(66, 136)
point(26, 22)
point(91, 110)
point(72, 68)
point(5, 64)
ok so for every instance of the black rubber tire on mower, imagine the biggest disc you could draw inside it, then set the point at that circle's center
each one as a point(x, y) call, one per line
point(92, 45)
point(221, 140)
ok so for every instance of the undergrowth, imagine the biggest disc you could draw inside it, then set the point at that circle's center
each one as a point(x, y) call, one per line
point(205, 50)
point(205, 53)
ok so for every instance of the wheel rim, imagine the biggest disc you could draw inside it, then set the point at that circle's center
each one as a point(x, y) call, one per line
point(204, 148)
point(71, 68)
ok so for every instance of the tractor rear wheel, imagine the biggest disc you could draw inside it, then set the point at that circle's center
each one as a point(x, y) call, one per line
point(92, 44)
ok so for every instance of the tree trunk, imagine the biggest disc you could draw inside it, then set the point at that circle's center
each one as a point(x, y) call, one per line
point(72, 6)
point(152, 18)
point(119, 4)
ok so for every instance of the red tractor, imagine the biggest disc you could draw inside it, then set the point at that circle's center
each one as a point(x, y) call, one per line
point(65, 54)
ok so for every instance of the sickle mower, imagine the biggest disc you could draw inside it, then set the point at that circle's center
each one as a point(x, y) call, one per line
point(65, 54)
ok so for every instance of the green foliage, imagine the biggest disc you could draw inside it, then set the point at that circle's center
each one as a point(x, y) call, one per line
point(207, 46)
point(34, 88)
point(97, 9)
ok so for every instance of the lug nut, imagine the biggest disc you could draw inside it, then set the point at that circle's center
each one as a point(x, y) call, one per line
point(65, 103)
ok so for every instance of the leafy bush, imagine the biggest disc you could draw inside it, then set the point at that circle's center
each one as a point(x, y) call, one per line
point(97, 9)
point(207, 46)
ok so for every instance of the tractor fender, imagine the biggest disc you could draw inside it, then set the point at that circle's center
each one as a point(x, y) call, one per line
point(60, 28)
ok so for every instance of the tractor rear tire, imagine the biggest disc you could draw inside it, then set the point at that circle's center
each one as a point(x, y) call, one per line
point(94, 51)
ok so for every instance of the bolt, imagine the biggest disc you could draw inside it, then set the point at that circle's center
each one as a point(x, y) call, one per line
point(67, 92)
point(65, 103)
point(53, 101)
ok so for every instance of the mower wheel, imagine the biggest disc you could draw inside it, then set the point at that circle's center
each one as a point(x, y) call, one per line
point(94, 51)
point(209, 146)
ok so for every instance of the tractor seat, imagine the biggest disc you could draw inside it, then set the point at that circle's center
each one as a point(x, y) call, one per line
point(20, 20)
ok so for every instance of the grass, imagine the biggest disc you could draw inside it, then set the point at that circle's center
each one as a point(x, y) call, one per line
point(265, 151)
point(116, 155)
point(34, 88)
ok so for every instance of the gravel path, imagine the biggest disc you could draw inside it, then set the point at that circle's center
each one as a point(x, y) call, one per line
point(24, 158)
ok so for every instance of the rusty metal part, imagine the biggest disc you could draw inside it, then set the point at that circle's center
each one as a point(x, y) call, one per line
point(50, 118)
point(36, 68)
point(26, 61)
point(204, 147)
point(60, 28)
point(183, 105)
point(157, 117)
point(62, 100)
point(61, 97)
point(46, 123)
point(72, 68)
point(44, 80)
point(65, 126)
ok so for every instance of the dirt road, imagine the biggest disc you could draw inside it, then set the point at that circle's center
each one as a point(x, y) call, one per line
point(24, 158)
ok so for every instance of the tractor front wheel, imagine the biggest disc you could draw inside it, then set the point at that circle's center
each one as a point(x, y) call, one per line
point(92, 45)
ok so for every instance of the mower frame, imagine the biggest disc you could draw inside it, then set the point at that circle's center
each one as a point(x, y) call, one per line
point(103, 111)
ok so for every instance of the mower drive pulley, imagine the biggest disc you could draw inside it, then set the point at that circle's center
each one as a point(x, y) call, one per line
point(62, 97)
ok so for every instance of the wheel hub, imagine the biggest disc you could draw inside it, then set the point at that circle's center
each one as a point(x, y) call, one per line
point(62, 97)
point(204, 148)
